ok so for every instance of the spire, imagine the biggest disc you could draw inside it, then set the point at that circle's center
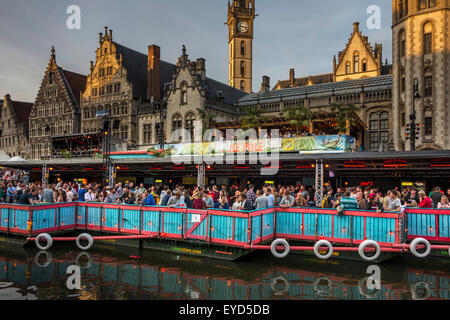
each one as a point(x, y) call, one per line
point(184, 56)
point(53, 53)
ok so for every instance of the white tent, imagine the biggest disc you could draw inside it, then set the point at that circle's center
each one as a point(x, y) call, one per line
point(17, 159)
point(4, 156)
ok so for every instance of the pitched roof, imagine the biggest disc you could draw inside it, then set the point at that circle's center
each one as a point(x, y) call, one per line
point(383, 82)
point(231, 94)
point(136, 64)
point(317, 79)
point(76, 82)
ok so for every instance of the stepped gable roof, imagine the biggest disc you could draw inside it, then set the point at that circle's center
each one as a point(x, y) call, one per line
point(76, 83)
point(136, 64)
point(317, 79)
point(383, 82)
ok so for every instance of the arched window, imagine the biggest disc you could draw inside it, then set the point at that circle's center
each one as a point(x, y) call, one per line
point(176, 121)
point(355, 62)
point(364, 65)
point(378, 129)
point(242, 68)
point(402, 43)
point(242, 87)
point(347, 68)
point(189, 124)
point(427, 38)
point(147, 133)
point(184, 88)
point(242, 48)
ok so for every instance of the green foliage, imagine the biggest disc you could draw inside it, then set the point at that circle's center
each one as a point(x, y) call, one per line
point(298, 116)
point(344, 116)
point(208, 120)
point(253, 119)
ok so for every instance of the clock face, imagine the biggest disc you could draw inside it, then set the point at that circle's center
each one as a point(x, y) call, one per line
point(242, 26)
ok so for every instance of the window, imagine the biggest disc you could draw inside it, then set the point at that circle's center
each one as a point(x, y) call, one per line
point(347, 68)
point(403, 119)
point(242, 3)
point(364, 66)
point(242, 68)
point(428, 126)
point(189, 124)
point(427, 45)
point(378, 129)
point(94, 92)
point(124, 109)
point(428, 86)
point(184, 88)
point(242, 85)
point(147, 133)
point(109, 71)
point(403, 8)
point(123, 132)
point(117, 87)
point(356, 62)
point(431, 3)
point(242, 48)
point(403, 83)
point(177, 123)
point(422, 4)
point(101, 91)
point(109, 89)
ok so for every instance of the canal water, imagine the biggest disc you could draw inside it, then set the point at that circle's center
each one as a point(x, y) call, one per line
point(110, 273)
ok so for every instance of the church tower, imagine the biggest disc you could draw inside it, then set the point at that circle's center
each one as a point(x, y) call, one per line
point(421, 55)
point(241, 14)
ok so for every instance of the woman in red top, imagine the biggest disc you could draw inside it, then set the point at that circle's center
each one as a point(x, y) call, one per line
point(425, 202)
point(198, 203)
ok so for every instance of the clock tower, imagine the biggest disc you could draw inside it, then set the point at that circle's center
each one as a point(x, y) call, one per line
point(241, 14)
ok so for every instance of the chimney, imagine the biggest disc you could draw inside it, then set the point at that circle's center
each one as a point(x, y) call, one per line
point(265, 85)
point(201, 68)
point(355, 27)
point(292, 77)
point(154, 72)
point(110, 34)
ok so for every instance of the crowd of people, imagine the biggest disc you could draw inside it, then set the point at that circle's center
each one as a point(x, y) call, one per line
point(225, 198)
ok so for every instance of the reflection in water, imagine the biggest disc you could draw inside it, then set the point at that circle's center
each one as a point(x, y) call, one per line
point(27, 274)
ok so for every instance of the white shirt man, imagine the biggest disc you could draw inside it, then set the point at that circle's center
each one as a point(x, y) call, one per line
point(89, 196)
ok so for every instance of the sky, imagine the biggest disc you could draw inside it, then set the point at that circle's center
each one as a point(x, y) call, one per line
point(298, 34)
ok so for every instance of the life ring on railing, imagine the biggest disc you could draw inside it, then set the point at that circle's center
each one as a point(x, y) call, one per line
point(274, 282)
point(89, 239)
point(47, 237)
point(89, 262)
point(415, 294)
point(320, 292)
point(277, 242)
point(364, 245)
point(48, 257)
point(323, 243)
point(413, 247)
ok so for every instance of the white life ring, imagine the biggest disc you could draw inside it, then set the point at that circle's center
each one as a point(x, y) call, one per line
point(413, 247)
point(85, 236)
point(48, 258)
point(415, 294)
point(49, 241)
point(274, 282)
point(323, 243)
point(365, 244)
point(320, 292)
point(88, 264)
point(278, 242)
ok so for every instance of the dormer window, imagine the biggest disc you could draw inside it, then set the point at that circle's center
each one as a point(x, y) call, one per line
point(356, 62)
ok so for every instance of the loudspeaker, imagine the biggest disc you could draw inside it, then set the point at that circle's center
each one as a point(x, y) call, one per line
point(105, 125)
point(116, 124)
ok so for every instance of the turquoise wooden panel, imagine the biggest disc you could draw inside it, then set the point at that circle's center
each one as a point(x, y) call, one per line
point(240, 291)
point(81, 215)
point(150, 221)
point(422, 224)
point(21, 219)
point(256, 227)
point(94, 216)
point(309, 225)
point(4, 223)
point(67, 216)
point(112, 218)
point(173, 222)
point(222, 228)
point(43, 219)
point(444, 226)
point(202, 228)
point(131, 219)
point(268, 227)
point(324, 225)
point(130, 275)
point(255, 292)
point(342, 227)
point(240, 229)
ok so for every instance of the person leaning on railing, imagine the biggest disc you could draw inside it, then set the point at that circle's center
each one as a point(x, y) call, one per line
point(444, 203)
point(425, 202)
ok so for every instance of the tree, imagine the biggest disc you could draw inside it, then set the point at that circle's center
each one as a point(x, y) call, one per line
point(253, 119)
point(299, 117)
point(208, 120)
point(344, 116)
